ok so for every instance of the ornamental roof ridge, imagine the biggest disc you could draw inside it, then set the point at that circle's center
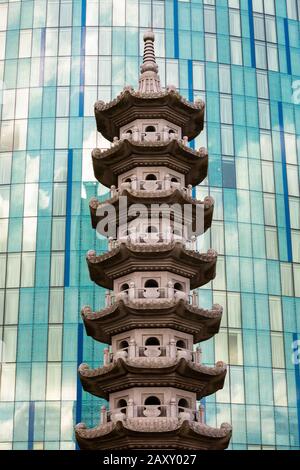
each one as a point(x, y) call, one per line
point(153, 363)
point(98, 153)
point(102, 106)
point(92, 257)
point(208, 201)
point(205, 430)
point(85, 370)
point(154, 425)
point(98, 431)
point(87, 313)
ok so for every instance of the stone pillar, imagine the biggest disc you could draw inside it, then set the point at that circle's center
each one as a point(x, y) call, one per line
point(165, 134)
point(195, 298)
point(190, 190)
point(106, 357)
point(132, 349)
point(113, 191)
point(103, 415)
point(173, 408)
point(135, 134)
point(110, 243)
point(170, 289)
point(194, 241)
point(134, 183)
point(115, 141)
point(167, 233)
point(131, 291)
point(198, 355)
point(107, 299)
point(185, 140)
point(130, 408)
point(167, 182)
point(173, 352)
point(201, 414)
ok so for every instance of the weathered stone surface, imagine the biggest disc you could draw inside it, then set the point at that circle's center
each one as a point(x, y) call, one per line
point(155, 433)
point(162, 313)
point(172, 257)
point(126, 155)
point(148, 372)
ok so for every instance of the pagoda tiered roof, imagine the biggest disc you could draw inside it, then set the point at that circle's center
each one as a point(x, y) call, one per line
point(150, 313)
point(157, 433)
point(127, 154)
point(165, 104)
point(172, 257)
point(152, 371)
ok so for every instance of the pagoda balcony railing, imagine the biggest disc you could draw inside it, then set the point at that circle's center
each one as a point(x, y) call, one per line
point(153, 238)
point(171, 351)
point(136, 135)
point(151, 186)
point(154, 294)
point(150, 412)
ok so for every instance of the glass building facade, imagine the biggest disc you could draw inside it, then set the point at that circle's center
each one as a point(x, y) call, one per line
point(57, 57)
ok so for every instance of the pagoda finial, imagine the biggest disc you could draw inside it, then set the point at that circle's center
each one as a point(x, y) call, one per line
point(149, 80)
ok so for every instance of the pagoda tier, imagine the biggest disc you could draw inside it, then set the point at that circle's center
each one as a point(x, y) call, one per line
point(155, 433)
point(126, 155)
point(147, 198)
point(172, 257)
point(178, 314)
point(165, 104)
point(122, 374)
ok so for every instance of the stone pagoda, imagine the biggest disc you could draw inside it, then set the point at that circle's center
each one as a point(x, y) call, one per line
point(152, 374)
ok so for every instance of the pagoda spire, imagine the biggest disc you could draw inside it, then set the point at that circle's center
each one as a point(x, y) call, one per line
point(149, 80)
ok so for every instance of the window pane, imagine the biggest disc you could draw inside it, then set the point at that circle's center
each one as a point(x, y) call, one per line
point(13, 269)
point(54, 343)
point(277, 351)
point(275, 313)
point(29, 233)
point(56, 305)
point(28, 269)
point(11, 306)
point(58, 234)
point(5, 168)
point(235, 347)
point(57, 269)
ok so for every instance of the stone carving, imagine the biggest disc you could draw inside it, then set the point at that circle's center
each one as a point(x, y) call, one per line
point(155, 425)
point(153, 351)
point(150, 186)
point(151, 412)
point(215, 312)
point(151, 293)
point(151, 362)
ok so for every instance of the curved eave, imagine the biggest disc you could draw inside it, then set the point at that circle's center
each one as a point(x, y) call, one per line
point(180, 374)
point(186, 436)
point(120, 317)
point(128, 155)
point(128, 258)
point(158, 197)
point(131, 105)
